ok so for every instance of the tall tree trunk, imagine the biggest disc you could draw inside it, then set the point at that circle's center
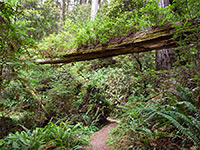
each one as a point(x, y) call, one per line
point(164, 58)
point(63, 10)
point(94, 9)
point(163, 3)
point(67, 11)
point(83, 2)
point(1, 78)
point(2, 69)
point(71, 4)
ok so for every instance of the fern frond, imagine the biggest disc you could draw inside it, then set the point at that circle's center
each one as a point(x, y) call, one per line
point(190, 106)
point(185, 131)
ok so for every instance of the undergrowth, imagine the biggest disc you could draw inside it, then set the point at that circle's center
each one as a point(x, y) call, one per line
point(158, 109)
point(57, 136)
point(149, 125)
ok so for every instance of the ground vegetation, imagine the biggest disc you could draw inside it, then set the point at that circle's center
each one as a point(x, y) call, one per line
point(59, 106)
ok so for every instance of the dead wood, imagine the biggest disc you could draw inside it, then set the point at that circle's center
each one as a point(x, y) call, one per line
point(142, 41)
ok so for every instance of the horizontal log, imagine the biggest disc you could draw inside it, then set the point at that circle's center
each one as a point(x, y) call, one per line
point(144, 41)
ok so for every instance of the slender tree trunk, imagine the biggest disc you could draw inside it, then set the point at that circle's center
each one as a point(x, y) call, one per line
point(1, 78)
point(63, 10)
point(164, 58)
point(2, 69)
point(163, 3)
point(83, 1)
point(71, 4)
point(67, 11)
point(94, 9)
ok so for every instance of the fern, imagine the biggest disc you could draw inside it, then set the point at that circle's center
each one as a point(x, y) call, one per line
point(186, 131)
point(59, 136)
point(190, 106)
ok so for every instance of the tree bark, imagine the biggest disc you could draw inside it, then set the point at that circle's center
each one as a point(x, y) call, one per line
point(2, 73)
point(164, 58)
point(67, 11)
point(163, 3)
point(82, 2)
point(63, 10)
point(1, 77)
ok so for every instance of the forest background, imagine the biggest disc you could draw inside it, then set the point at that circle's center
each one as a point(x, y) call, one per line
point(155, 94)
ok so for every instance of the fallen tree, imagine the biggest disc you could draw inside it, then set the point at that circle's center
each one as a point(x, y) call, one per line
point(142, 41)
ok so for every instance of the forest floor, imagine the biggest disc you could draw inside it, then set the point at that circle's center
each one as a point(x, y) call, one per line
point(98, 139)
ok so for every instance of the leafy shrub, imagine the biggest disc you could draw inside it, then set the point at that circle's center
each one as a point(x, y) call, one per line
point(94, 104)
point(61, 99)
point(43, 17)
point(13, 42)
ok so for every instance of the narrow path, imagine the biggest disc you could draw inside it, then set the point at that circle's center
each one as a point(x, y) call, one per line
point(98, 140)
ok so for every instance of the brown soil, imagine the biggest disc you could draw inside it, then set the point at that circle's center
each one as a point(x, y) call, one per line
point(98, 140)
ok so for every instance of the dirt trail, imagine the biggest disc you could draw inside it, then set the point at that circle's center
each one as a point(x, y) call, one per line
point(98, 139)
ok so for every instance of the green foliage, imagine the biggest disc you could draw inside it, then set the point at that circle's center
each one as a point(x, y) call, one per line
point(88, 92)
point(98, 107)
point(61, 136)
point(13, 43)
point(175, 117)
point(119, 19)
point(13, 31)
point(14, 94)
point(79, 13)
point(119, 6)
point(63, 93)
point(42, 17)
point(78, 33)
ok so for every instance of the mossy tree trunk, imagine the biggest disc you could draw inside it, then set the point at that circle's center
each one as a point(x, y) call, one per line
point(142, 41)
